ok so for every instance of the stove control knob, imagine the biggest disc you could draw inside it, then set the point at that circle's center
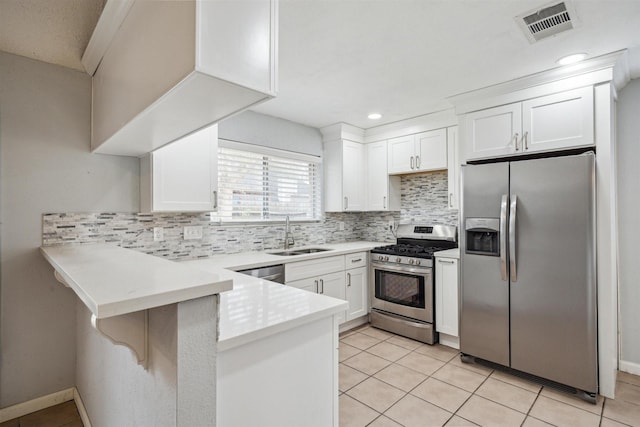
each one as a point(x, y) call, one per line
point(411, 261)
point(417, 262)
point(398, 259)
point(386, 258)
point(380, 258)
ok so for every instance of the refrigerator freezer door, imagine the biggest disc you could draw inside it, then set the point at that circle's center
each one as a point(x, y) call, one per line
point(484, 314)
point(553, 301)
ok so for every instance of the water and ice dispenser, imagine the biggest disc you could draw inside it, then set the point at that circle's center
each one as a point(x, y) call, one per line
point(482, 236)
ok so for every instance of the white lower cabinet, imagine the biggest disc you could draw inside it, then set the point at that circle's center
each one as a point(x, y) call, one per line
point(357, 292)
point(343, 277)
point(447, 300)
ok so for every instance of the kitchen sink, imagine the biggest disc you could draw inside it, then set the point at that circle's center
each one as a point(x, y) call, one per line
point(292, 252)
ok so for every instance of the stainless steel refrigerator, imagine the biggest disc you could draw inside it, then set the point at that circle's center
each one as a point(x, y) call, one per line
point(528, 275)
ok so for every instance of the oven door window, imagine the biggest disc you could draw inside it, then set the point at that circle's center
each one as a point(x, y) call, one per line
point(400, 288)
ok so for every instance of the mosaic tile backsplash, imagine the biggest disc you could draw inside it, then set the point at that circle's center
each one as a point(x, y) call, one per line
point(424, 198)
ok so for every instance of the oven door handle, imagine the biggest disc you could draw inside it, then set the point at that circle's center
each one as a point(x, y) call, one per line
point(401, 268)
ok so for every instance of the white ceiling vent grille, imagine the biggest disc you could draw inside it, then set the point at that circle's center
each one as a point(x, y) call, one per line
point(548, 21)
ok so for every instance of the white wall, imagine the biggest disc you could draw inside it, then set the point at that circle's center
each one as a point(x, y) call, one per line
point(260, 129)
point(628, 175)
point(116, 390)
point(45, 167)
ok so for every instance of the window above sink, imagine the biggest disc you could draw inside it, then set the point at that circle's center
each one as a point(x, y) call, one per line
point(263, 184)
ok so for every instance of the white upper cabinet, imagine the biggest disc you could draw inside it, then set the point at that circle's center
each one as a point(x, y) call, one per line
point(431, 150)
point(383, 190)
point(426, 151)
point(344, 171)
point(183, 176)
point(453, 172)
point(401, 153)
point(559, 121)
point(173, 67)
point(493, 132)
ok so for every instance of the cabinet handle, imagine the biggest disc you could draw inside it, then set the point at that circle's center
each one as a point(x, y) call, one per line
point(450, 200)
point(215, 200)
point(411, 161)
point(417, 162)
point(348, 279)
point(515, 138)
point(384, 202)
point(317, 288)
point(444, 261)
point(356, 260)
point(322, 286)
point(525, 140)
point(346, 203)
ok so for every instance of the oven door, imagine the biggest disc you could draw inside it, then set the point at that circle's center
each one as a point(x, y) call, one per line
point(403, 290)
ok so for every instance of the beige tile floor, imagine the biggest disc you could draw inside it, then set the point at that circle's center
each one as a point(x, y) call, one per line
point(388, 380)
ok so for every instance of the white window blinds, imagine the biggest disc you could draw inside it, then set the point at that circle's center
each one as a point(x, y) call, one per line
point(262, 184)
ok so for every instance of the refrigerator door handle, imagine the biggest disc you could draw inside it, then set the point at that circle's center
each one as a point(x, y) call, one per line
point(503, 237)
point(512, 238)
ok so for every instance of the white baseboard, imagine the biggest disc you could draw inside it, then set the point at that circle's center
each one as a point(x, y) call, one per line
point(84, 416)
point(354, 323)
point(37, 404)
point(630, 367)
point(449, 341)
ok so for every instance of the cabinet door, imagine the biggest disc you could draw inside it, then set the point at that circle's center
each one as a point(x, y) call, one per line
point(184, 173)
point(311, 284)
point(447, 296)
point(453, 167)
point(357, 292)
point(313, 267)
point(431, 150)
point(562, 120)
point(401, 155)
point(333, 285)
point(493, 132)
point(353, 182)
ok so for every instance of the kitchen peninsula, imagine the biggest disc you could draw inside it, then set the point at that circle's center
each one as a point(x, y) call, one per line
point(263, 337)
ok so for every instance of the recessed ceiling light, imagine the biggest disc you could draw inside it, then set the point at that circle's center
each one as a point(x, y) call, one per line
point(374, 116)
point(571, 59)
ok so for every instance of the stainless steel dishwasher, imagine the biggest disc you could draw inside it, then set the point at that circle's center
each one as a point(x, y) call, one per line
point(273, 273)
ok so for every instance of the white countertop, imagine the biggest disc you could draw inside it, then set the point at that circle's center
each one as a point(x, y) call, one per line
point(449, 253)
point(112, 280)
point(257, 308)
point(246, 260)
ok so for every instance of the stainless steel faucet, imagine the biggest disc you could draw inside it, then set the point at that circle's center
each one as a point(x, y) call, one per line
point(289, 241)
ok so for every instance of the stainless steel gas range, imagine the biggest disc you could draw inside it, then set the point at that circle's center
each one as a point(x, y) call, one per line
point(402, 280)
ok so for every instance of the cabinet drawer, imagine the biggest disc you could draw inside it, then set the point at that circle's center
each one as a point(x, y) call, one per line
point(315, 267)
point(359, 259)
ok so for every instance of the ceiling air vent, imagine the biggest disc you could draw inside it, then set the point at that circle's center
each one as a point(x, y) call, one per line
point(548, 21)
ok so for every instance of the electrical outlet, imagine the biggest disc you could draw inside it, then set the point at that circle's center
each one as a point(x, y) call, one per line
point(193, 233)
point(392, 224)
point(158, 234)
point(341, 226)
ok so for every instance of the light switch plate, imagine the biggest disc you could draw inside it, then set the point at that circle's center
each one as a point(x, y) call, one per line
point(193, 232)
point(340, 226)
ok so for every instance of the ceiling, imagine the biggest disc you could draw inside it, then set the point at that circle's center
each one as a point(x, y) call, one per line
point(54, 31)
point(342, 59)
